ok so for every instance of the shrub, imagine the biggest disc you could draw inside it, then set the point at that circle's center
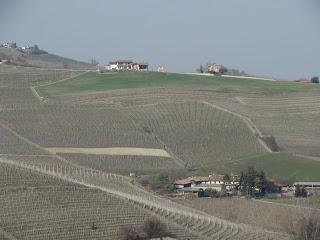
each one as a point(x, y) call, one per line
point(131, 233)
point(315, 80)
point(210, 192)
point(300, 192)
point(271, 143)
point(153, 228)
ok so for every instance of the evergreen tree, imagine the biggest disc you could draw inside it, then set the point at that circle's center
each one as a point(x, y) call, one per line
point(226, 178)
point(300, 191)
point(253, 183)
point(261, 184)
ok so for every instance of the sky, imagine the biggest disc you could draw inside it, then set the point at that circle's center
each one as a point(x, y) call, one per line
point(277, 38)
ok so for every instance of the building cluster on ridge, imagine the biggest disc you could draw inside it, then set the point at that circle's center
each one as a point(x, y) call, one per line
point(121, 65)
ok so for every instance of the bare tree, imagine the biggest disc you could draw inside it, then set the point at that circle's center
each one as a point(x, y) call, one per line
point(154, 228)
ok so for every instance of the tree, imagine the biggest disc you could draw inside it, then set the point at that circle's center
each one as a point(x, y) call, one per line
point(315, 80)
point(93, 62)
point(260, 184)
point(65, 64)
point(223, 69)
point(132, 233)
point(154, 228)
point(300, 191)
point(226, 178)
point(211, 192)
point(253, 183)
point(200, 69)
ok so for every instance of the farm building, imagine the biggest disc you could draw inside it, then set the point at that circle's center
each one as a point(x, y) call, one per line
point(128, 65)
point(214, 68)
point(190, 192)
point(197, 184)
point(310, 187)
point(161, 69)
point(9, 45)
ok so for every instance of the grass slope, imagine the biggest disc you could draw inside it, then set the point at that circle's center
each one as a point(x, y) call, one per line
point(279, 165)
point(92, 81)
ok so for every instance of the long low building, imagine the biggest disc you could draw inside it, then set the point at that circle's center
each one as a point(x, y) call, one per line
point(310, 187)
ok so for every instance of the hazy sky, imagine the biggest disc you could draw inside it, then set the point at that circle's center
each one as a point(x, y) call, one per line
point(276, 38)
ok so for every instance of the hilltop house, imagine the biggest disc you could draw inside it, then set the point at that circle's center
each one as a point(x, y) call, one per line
point(161, 69)
point(128, 65)
point(9, 45)
point(214, 68)
point(3, 61)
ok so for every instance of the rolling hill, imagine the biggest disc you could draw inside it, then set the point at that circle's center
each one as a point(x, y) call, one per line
point(42, 60)
point(66, 155)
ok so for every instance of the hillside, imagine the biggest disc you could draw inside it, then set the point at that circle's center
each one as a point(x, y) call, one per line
point(69, 152)
point(92, 82)
point(44, 60)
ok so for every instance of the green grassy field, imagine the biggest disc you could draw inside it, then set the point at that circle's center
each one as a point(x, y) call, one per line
point(278, 165)
point(93, 81)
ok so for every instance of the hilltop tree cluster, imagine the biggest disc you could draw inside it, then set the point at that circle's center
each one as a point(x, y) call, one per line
point(253, 183)
point(300, 192)
point(223, 70)
point(315, 80)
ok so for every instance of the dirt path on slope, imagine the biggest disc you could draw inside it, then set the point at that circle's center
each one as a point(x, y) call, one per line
point(253, 128)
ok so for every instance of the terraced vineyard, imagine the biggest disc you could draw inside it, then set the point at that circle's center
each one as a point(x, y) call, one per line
point(16, 98)
point(274, 217)
point(291, 118)
point(11, 144)
point(36, 206)
point(123, 164)
point(67, 127)
point(177, 215)
point(20, 77)
point(53, 195)
point(198, 134)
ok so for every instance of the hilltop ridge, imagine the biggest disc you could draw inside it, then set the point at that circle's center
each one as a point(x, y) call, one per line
point(17, 56)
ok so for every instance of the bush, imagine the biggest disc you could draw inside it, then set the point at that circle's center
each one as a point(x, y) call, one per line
point(300, 192)
point(210, 192)
point(315, 80)
point(153, 228)
point(132, 234)
point(271, 143)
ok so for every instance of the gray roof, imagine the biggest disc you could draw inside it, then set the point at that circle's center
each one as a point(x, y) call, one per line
point(189, 189)
point(307, 183)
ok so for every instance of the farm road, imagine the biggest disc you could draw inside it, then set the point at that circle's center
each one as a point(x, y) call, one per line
point(254, 129)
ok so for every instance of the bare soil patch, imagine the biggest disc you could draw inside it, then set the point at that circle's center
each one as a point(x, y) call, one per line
point(128, 151)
